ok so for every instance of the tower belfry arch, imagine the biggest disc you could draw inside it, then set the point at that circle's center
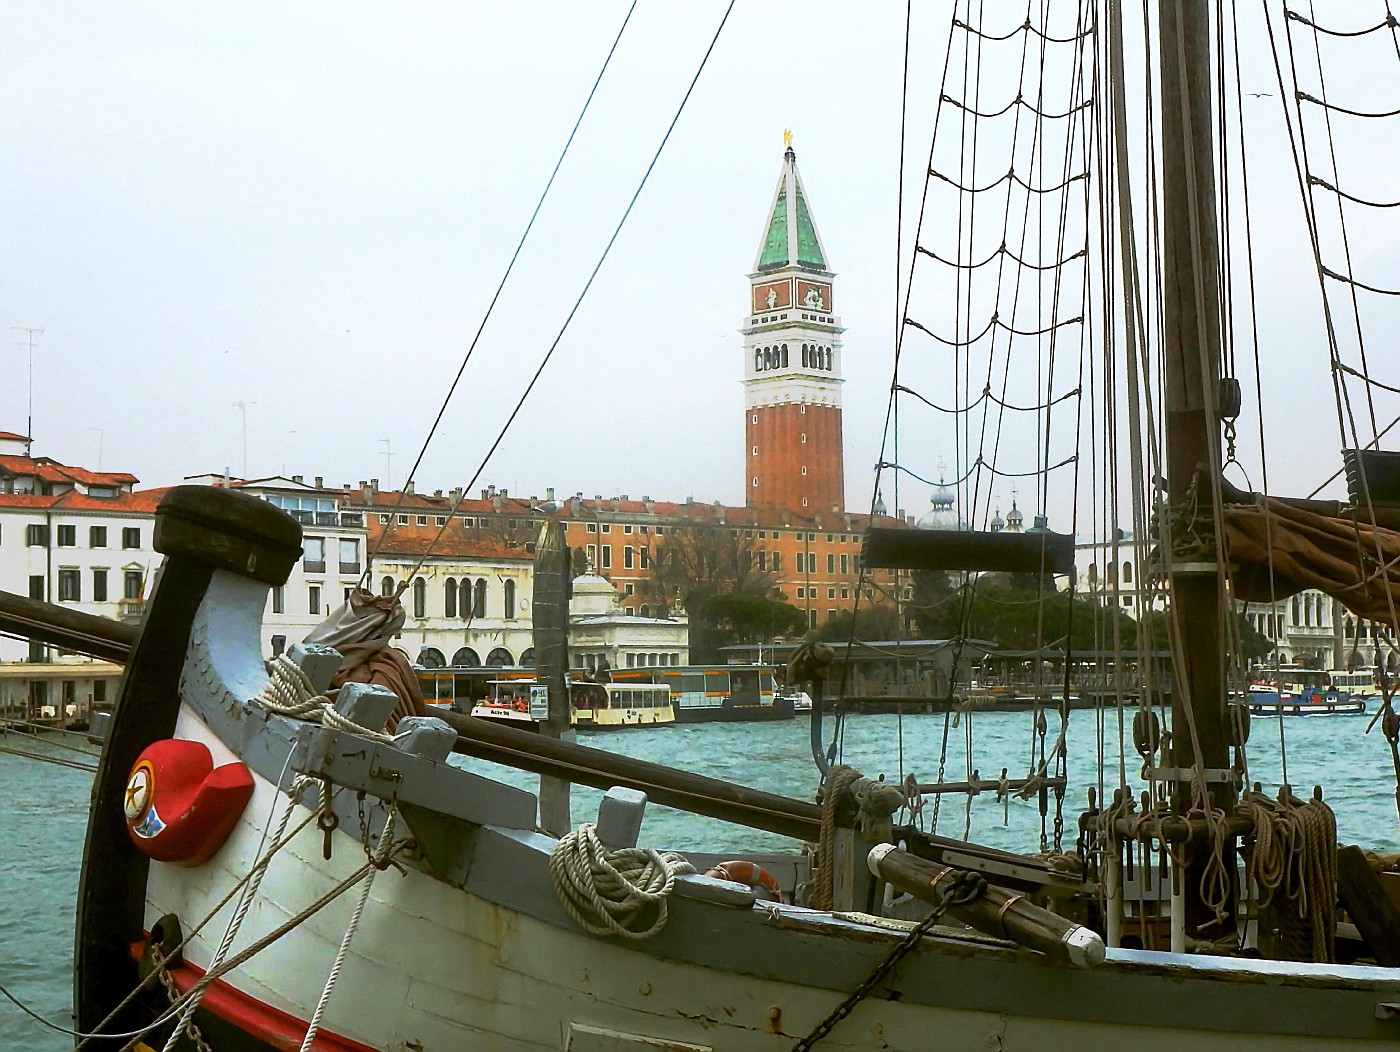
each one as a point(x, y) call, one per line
point(792, 361)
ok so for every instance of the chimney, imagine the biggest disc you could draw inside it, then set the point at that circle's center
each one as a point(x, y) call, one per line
point(455, 494)
point(437, 493)
point(486, 493)
point(366, 492)
point(375, 484)
point(649, 504)
point(504, 493)
point(296, 478)
point(320, 482)
point(899, 514)
point(408, 486)
point(549, 493)
point(624, 496)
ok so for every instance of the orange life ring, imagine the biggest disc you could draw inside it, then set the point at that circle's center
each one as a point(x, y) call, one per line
point(750, 873)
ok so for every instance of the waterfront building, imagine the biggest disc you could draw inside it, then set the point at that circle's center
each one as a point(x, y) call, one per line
point(78, 538)
point(602, 635)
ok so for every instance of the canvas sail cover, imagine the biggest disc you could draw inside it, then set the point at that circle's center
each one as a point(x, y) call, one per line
point(362, 629)
point(1280, 548)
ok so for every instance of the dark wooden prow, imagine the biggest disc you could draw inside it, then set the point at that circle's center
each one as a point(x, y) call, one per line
point(1370, 908)
point(1037, 553)
point(199, 529)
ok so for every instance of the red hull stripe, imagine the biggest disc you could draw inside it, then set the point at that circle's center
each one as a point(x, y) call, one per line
point(253, 1017)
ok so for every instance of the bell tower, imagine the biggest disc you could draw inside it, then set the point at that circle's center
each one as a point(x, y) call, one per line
point(792, 362)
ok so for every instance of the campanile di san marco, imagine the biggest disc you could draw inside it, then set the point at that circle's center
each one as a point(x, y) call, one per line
point(792, 362)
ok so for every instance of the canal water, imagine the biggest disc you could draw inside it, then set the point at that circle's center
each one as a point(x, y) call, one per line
point(41, 847)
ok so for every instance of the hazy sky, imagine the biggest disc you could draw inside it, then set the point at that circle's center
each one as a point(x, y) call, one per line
point(307, 207)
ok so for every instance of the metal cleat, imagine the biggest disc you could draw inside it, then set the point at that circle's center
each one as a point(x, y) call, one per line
point(366, 705)
point(620, 817)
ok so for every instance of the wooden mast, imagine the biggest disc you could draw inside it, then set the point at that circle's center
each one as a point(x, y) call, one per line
point(550, 611)
point(1192, 370)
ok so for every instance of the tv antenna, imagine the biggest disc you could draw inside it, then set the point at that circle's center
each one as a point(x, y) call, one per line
point(30, 333)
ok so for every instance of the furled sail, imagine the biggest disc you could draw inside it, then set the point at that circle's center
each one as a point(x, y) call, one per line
point(1280, 547)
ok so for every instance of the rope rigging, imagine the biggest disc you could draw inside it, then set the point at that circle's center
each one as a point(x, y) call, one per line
point(1004, 251)
point(989, 396)
point(1011, 176)
point(1019, 100)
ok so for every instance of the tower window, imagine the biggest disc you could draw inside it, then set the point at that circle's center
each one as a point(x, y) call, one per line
point(757, 360)
point(804, 439)
point(755, 451)
point(753, 418)
point(804, 502)
point(806, 356)
point(755, 480)
point(804, 469)
point(784, 356)
point(804, 410)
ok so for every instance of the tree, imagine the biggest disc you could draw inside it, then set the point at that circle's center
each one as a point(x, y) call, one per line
point(880, 621)
point(704, 570)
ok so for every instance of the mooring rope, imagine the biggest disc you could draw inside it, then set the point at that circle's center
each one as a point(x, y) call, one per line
point(290, 692)
point(614, 892)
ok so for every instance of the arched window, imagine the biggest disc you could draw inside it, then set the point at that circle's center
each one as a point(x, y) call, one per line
point(1127, 573)
point(645, 611)
point(509, 602)
point(527, 657)
point(757, 360)
point(806, 356)
point(1297, 620)
point(449, 598)
point(430, 657)
point(386, 586)
point(466, 658)
point(1093, 575)
point(479, 598)
point(420, 597)
point(785, 360)
point(828, 359)
point(499, 658)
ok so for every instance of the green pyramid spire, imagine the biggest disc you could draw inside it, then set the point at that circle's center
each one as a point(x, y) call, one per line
point(791, 238)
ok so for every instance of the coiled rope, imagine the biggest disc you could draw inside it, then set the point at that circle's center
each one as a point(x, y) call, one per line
point(621, 892)
point(290, 692)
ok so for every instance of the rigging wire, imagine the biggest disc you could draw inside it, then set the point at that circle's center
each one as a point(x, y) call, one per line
point(491, 306)
point(602, 258)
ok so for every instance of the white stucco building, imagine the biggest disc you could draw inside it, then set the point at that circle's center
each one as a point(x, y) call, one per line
point(601, 632)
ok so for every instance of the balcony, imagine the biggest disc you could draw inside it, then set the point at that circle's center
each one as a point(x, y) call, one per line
point(351, 518)
point(314, 565)
point(130, 610)
point(350, 568)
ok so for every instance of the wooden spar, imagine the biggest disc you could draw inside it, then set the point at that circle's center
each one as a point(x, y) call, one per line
point(550, 614)
point(665, 785)
point(98, 637)
point(1004, 914)
point(984, 785)
point(1191, 376)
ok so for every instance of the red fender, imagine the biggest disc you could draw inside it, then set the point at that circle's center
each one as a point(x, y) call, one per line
point(750, 873)
point(180, 807)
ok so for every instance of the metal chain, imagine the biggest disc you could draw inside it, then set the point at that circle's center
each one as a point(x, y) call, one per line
point(173, 992)
point(964, 888)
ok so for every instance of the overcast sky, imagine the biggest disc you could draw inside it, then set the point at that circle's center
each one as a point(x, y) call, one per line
point(306, 208)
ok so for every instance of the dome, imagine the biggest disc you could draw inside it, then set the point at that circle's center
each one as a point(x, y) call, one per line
point(943, 514)
point(593, 595)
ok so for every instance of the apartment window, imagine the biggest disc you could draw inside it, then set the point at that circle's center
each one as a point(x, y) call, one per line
point(97, 536)
point(131, 536)
point(313, 555)
point(831, 615)
point(350, 555)
point(313, 599)
point(279, 600)
point(660, 530)
point(449, 597)
point(777, 562)
point(607, 527)
point(592, 527)
point(384, 520)
point(132, 582)
point(845, 593)
point(830, 563)
point(422, 520)
point(67, 536)
point(386, 586)
point(509, 601)
point(628, 589)
point(811, 562)
point(627, 528)
point(762, 561)
point(479, 598)
point(811, 536)
point(36, 587)
point(627, 557)
point(70, 588)
point(607, 555)
point(36, 535)
point(99, 691)
point(646, 557)
point(279, 644)
point(440, 520)
point(801, 592)
point(811, 614)
point(831, 593)
point(403, 520)
point(99, 586)
point(845, 563)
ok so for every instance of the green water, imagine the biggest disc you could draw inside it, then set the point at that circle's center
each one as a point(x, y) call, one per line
point(47, 809)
